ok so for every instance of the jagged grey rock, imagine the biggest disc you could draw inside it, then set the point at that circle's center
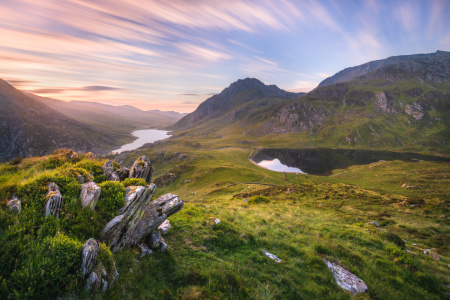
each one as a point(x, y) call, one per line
point(54, 201)
point(123, 173)
point(108, 168)
point(114, 177)
point(80, 178)
point(89, 256)
point(92, 283)
point(163, 245)
point(14, 205)
point(415, 110)
point(139, 217)
point(90, 192)
point(144, 249)
point(346, 279)
point(154, 240)
point(164, 227)
point(271, 256)
point(142, 168)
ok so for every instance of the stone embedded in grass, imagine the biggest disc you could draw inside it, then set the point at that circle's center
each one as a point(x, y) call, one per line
point(54, 201)
point(142, 168)
point(217, 221)
point(15, 206)
point(89, 256)
point(271, 256)
point(89, 195)
point(346, 279)
point(164, 227)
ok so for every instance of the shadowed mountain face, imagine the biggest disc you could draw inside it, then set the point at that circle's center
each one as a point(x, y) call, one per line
point(403, 64)
point(30, 128)
point(231, 100)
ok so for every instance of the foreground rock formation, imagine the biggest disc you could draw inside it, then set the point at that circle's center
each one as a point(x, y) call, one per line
point(142, 168)
point(54, 201)
point(345, 279)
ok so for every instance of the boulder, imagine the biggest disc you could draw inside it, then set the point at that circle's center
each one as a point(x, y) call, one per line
point(89, 256)
point(139, 217)
point(154, 240)
point(92, 283)
point(164, 227)
point(346, 279)
point(54, 201)
point(108, 168)
point(89, 155)
point(14, 205)
point(142, 168)
point(89, 194)
point(123, 173)
point(114, 177)
point(143, 248)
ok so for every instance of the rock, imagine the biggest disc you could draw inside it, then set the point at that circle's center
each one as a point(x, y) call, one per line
point(415, 110)
point(142, 168)
point(15, 206)
point(115, 274)
point(108, 168)
point(154, 240)
point(165, 179)
point(80, 178)
point(374, 223)
point(217, 221)
point(346, 279)
point(92, 283)
point(114, 177)
point(435, 256)
point(89, 194)
point(89, 155)
point(163, 246)
point(144, 250)
point(123, 173)
point(271, 256)
point(54, 201)
point(140, 216)
point(89, 256)
point(164, 227)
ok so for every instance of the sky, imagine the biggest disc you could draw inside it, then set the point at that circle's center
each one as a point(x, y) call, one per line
point(172, 55)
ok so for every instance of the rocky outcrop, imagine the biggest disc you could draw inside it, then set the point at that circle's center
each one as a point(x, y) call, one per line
point(415, 110)
point(15, 206)
point(89, 256)
point(346, 279)
point(89, 195)
point(108, 168)
point(142, 168)
point(139, 217)
point(123, 173)
point(383, 104)
point(54, 201)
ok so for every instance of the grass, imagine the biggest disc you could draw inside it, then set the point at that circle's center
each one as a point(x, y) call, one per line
point(301, 220)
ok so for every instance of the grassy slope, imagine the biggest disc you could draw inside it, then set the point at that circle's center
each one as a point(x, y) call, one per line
point(307, 218)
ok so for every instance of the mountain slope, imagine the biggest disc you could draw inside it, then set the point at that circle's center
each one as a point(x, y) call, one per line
point(361, 70)
point(114, 119)
point(238, 101)
point(28, 127)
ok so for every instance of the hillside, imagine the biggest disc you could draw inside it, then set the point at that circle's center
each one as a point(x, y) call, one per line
point(115, 119)
point(402, 105)
point(30, 128)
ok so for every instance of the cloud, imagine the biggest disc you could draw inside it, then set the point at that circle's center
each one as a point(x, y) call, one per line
point(100, 88)
point(91, 88)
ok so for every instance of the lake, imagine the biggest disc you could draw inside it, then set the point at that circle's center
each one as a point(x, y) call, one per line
point(144, 136)
point(322, 161)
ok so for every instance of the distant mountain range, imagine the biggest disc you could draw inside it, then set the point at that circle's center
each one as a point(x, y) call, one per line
point(31, 125)
point(393, 103)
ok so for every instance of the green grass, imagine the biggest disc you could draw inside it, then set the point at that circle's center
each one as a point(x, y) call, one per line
point(301, 220)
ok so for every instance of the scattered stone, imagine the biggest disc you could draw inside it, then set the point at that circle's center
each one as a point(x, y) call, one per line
point(90, 192)
point(92, 283)
point(164, 227)
point(123, 173)
point(346, 279)
point(163, 246)
point(414, 244)
point(14, 205)
point(217, 221)
point(54, 201)
point(375, 223)
point(89, 256)
point(271, 256)
point(140, 216)
point(80, 178)
point(142, 168)
point(144, 250)
point(108, 168)
point(182, 156)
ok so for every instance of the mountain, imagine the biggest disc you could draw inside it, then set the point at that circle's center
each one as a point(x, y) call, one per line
point(30, 128)
point(240, 100)
point(114, 119)
point(396, 106)
point(361, 70)
point(172, 114)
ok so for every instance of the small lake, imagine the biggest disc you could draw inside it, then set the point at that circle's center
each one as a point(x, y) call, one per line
point(322, 161)
point(144, 136)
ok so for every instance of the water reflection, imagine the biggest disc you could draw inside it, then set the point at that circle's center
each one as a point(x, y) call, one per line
point(144, 136)
point(322, 161)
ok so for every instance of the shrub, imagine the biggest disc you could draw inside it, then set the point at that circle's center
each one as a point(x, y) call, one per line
point(16, 161)
point(111, 199)
point(392, 237)
point(258, 199)
point(134, 181)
